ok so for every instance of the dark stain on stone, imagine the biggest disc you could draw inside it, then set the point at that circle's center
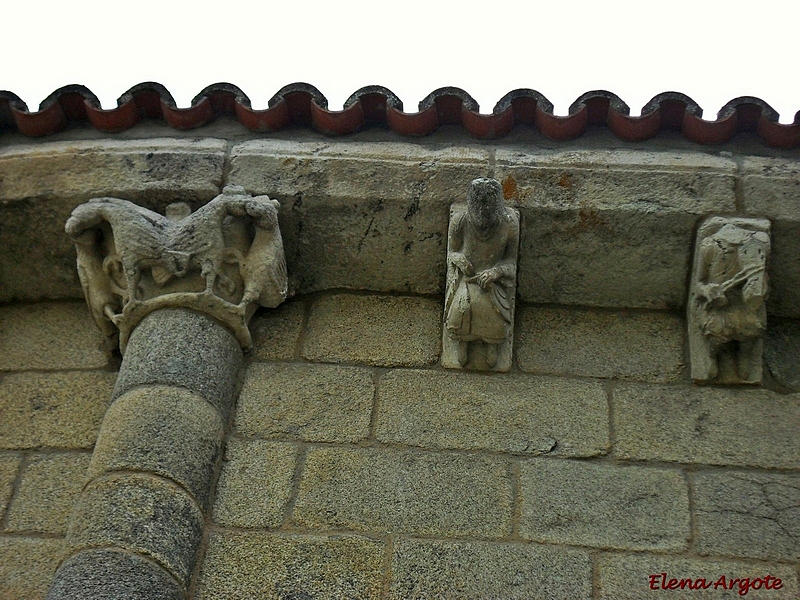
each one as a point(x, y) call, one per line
point(701, 424)
point(589, 219)
point(364, 237)
point(38, 403)
point(413, 209)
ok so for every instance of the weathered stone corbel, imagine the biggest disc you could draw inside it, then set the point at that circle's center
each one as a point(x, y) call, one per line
point(481, 287)
point(223, 260)
point(727, 314)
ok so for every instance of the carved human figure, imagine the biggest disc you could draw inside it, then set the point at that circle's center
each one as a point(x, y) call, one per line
point(224, 259)
point(482, 244)
point(727, 312)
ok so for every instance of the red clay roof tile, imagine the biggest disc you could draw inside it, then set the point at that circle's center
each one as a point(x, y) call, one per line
point(303, 104)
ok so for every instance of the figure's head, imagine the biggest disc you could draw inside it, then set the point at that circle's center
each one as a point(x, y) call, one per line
point(731, 235)
point(728, 240)
point(485, 201)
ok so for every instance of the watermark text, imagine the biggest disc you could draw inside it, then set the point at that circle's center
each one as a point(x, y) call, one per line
point(662, 581)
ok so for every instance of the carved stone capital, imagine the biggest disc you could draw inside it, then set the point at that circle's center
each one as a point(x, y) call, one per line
point(224, 260)
point(726, 312)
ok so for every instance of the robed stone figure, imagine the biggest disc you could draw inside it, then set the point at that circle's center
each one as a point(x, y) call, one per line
point(482, 244)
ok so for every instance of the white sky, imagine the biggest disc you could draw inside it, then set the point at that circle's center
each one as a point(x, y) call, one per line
point(710, 50)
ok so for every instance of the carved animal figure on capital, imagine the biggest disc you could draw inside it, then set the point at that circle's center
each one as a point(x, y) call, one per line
point(727, 311)
point(483, 240)
point(233, 241)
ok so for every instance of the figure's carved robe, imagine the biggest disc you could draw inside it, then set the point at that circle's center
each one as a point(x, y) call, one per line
point(474, 313)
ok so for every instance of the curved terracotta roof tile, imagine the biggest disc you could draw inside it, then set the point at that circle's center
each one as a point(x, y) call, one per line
point(303, 104)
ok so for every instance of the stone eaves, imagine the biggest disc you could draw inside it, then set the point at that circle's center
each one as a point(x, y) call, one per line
point(303, 104)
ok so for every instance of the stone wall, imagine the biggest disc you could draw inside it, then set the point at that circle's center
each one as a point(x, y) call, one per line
point(354, 465)
point(55, 386)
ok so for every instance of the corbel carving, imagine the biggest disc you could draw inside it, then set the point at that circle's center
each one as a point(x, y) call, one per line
point(727, 315)
point(224, 260)
point(482, 245)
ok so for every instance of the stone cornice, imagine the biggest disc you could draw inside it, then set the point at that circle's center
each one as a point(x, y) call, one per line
point(613, 228)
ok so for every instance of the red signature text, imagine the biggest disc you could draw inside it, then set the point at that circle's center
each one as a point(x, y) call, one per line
point(661, 581)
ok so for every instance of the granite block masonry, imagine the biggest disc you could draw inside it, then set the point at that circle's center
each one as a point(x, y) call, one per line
point(176, 293)
point(658, 475)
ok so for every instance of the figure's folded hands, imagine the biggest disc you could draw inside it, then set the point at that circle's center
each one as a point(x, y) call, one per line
point(487, 278)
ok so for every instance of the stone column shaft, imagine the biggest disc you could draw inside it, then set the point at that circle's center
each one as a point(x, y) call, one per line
point(137, 526)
